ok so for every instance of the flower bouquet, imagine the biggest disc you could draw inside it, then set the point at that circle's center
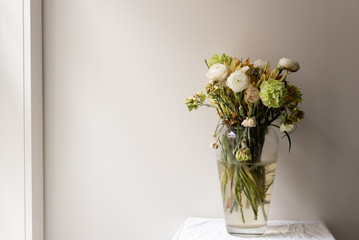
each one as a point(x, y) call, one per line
point(248, 98)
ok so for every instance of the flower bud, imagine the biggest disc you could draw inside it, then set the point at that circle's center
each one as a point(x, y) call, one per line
point(286, 127)
point(213, 145)
point(289, 64)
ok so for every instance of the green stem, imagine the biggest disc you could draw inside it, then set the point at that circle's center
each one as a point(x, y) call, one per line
point(208, 105)
point(243, 221)
point(264, 212)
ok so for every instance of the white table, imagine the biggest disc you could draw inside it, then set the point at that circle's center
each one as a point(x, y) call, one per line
point(215, 229)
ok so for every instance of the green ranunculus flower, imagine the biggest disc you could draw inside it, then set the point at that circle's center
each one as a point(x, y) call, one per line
point(218, 59)
point(273, 93)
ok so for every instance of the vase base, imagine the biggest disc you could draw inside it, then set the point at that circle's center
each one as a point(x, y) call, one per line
point(246, 232)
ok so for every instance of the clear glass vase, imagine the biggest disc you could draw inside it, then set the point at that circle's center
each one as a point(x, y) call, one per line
point(246, 183)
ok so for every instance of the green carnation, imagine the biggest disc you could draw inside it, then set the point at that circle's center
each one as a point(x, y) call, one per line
point(218, 59)
point(273, 93)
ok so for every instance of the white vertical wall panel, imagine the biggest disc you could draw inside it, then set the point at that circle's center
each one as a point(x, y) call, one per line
point(33, 124)
point(21, 172)
point(12, 212)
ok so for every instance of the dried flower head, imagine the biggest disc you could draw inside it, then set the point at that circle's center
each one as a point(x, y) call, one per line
point(213, 145)
point(295, 116)
point(212, 88)
point(244, 154)
point(294, 96)
point(252, 94)
point(249, 122)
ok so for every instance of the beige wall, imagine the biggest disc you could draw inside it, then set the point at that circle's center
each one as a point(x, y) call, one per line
point(123, 157)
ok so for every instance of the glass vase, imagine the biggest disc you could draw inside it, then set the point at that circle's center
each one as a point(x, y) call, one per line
point(246, 183)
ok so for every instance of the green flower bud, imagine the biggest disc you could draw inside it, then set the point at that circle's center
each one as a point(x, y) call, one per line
point(200, 96)
point(284, 119)
point(191, 103)
point(194, 101)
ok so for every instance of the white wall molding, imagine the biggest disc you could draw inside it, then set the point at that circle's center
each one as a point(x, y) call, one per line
point(33, 122)
point(21, 134)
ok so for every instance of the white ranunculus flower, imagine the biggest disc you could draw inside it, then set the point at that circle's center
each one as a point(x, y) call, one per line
point(238, 81)
point(249, 122)
point(289, 64)
point(260, 63)
point(218, 72)
point(286, 127)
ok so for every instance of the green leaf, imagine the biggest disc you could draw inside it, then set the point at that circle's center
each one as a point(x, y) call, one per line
point(289, 141)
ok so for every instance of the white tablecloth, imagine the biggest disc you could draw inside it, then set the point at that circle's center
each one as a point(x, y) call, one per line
point(215, 229)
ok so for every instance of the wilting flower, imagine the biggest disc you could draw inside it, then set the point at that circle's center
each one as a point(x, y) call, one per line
point(212, 88)
point(252, 94)
point(296, 115)
point(249, 122)
point(213, 145)
point(260, 63)
point(218, 72)
point(294, 96)
point(273, 93)
point(244, 154)
point(286, 127)
point(238, 81)
point(289, 64)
